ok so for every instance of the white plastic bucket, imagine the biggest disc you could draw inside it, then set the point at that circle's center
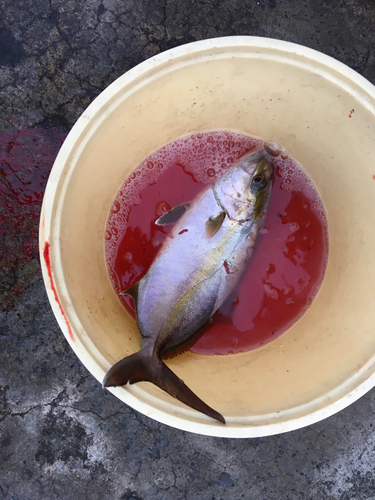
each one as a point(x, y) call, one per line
point(322, 112)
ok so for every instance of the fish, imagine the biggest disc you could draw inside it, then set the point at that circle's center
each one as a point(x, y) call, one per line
point(199, 264)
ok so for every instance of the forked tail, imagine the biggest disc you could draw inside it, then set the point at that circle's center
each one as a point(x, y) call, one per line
point(141, 367)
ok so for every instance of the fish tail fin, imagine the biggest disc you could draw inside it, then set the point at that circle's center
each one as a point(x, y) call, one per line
point(128, 370)
point(142, 367)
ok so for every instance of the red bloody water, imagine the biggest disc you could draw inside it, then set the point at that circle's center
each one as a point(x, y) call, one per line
point(286, 269)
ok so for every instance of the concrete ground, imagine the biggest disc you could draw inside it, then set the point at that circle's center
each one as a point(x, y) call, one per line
point(61, 435)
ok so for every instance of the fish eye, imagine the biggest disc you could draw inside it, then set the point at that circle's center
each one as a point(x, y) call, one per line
point(258, 183)
point(257, 180)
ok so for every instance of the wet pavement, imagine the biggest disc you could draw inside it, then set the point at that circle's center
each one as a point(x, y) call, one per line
point(61, 435)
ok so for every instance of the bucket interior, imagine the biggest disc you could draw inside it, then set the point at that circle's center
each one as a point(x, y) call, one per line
point(323, 120)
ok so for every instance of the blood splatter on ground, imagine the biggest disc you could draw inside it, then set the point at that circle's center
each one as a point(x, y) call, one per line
point(26, 159)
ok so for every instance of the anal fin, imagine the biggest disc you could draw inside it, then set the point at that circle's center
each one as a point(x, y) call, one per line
point(174, 351)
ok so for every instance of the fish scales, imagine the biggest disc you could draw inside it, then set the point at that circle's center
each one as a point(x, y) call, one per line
point(198, 266)
point(183, 263)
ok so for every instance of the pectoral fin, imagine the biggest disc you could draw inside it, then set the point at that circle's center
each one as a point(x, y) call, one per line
point(173, 215)
point(213, 224)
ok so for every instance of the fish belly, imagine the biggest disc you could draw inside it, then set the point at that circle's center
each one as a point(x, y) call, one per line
point(192, 275)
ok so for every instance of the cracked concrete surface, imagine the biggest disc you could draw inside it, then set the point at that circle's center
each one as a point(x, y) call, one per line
point(61, 435)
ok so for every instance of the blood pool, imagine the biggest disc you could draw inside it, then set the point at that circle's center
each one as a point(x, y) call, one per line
point(287, 267)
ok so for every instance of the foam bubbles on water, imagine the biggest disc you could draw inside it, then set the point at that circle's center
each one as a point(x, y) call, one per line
point(115, 207)
point(128, 256)
point(293, 178)
point(271, 291)
point(294, 226)
point(219, 150)
point(162, 208)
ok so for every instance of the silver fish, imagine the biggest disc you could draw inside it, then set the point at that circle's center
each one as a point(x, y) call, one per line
point(197, 267)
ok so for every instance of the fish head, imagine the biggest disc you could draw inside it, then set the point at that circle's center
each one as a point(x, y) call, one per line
point(245, 190)
point(261, 184)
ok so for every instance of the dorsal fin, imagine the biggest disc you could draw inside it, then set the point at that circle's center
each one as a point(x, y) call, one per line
point(173, 215)
point(132, 291)
point(213, 224)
